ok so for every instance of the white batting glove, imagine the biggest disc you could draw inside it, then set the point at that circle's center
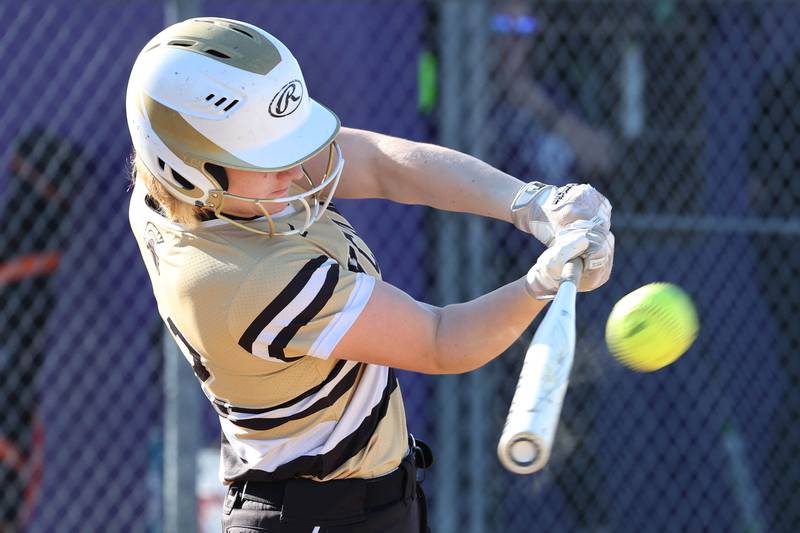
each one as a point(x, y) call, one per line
point(544, 210)
point(580, 239)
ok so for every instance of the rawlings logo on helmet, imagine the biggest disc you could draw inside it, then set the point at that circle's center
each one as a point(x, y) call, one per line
point(287, 100)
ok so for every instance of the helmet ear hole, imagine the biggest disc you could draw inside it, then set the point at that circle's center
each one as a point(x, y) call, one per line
point(186, 184)
point(219, 174)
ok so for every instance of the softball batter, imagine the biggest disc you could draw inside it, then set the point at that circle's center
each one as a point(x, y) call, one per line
point(276, 301)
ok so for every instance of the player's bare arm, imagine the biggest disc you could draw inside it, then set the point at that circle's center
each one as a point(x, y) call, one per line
point(395, 330)
point(404, 171)
point(409, 172)
point(461, 337)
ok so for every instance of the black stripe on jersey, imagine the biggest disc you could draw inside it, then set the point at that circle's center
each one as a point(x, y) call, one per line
point(235, 468)
point(337, 392)
point(345, 225)
point(351, 238)
point(223, 409)
point(282, 339)
point(283, 299)
point(199, 368)
point(262, 410)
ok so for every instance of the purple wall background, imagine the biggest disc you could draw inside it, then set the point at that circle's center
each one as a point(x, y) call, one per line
point(100, 388)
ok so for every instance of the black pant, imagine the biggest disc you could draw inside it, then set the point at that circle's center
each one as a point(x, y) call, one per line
point(394, 503)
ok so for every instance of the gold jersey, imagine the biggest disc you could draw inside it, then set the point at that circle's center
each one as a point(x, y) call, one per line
point(257, 318)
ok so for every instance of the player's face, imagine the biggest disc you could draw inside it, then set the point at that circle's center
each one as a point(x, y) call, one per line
point(259, 185)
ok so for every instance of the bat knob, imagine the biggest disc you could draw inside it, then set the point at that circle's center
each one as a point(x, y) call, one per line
point(523, 451)
point(522, 454)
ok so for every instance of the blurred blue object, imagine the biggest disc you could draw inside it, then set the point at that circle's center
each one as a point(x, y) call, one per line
point(519, 25)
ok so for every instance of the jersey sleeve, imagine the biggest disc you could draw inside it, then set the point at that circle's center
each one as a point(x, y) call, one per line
point(294, 307)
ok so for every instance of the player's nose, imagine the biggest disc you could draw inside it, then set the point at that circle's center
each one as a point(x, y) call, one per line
point(291, 174)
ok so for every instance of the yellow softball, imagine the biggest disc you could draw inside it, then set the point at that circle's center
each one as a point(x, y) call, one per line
point(651, 327)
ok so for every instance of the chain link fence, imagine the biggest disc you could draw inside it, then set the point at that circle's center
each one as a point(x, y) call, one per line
point(685, 113)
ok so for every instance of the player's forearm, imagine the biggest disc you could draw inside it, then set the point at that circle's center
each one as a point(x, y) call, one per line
point(471, 334)
point(425, 174)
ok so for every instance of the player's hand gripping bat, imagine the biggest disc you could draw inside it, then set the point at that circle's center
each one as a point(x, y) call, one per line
point(527, 437)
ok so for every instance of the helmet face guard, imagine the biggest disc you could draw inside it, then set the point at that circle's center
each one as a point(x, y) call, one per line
point(313, 211)
point(211, 91)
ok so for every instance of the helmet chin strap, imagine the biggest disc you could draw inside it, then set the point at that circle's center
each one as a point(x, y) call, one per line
point(313, 211)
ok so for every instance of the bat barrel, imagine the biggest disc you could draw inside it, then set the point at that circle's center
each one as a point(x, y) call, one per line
point(527, 437)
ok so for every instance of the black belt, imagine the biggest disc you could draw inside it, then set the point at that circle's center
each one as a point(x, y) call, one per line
point(338, 501)
point(378, 492)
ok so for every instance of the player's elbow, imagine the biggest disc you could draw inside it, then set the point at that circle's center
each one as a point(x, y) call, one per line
point(450, 362)
point(442, 363)
point(449, 355)
point(433, 359)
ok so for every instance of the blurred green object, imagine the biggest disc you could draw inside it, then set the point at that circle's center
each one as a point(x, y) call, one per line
point(426, 82)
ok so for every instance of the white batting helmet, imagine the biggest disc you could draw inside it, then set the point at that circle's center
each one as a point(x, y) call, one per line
point(208, 93)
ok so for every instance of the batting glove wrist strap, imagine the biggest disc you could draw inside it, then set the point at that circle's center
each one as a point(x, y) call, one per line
point(535, 288)
point(527, 213)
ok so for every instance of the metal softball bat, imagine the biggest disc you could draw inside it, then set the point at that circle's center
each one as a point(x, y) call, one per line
point(532, 419)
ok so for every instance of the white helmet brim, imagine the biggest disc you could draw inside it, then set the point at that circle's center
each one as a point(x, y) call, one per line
point(309, 138)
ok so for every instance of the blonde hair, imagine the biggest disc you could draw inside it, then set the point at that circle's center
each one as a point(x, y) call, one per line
point(175, 210)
